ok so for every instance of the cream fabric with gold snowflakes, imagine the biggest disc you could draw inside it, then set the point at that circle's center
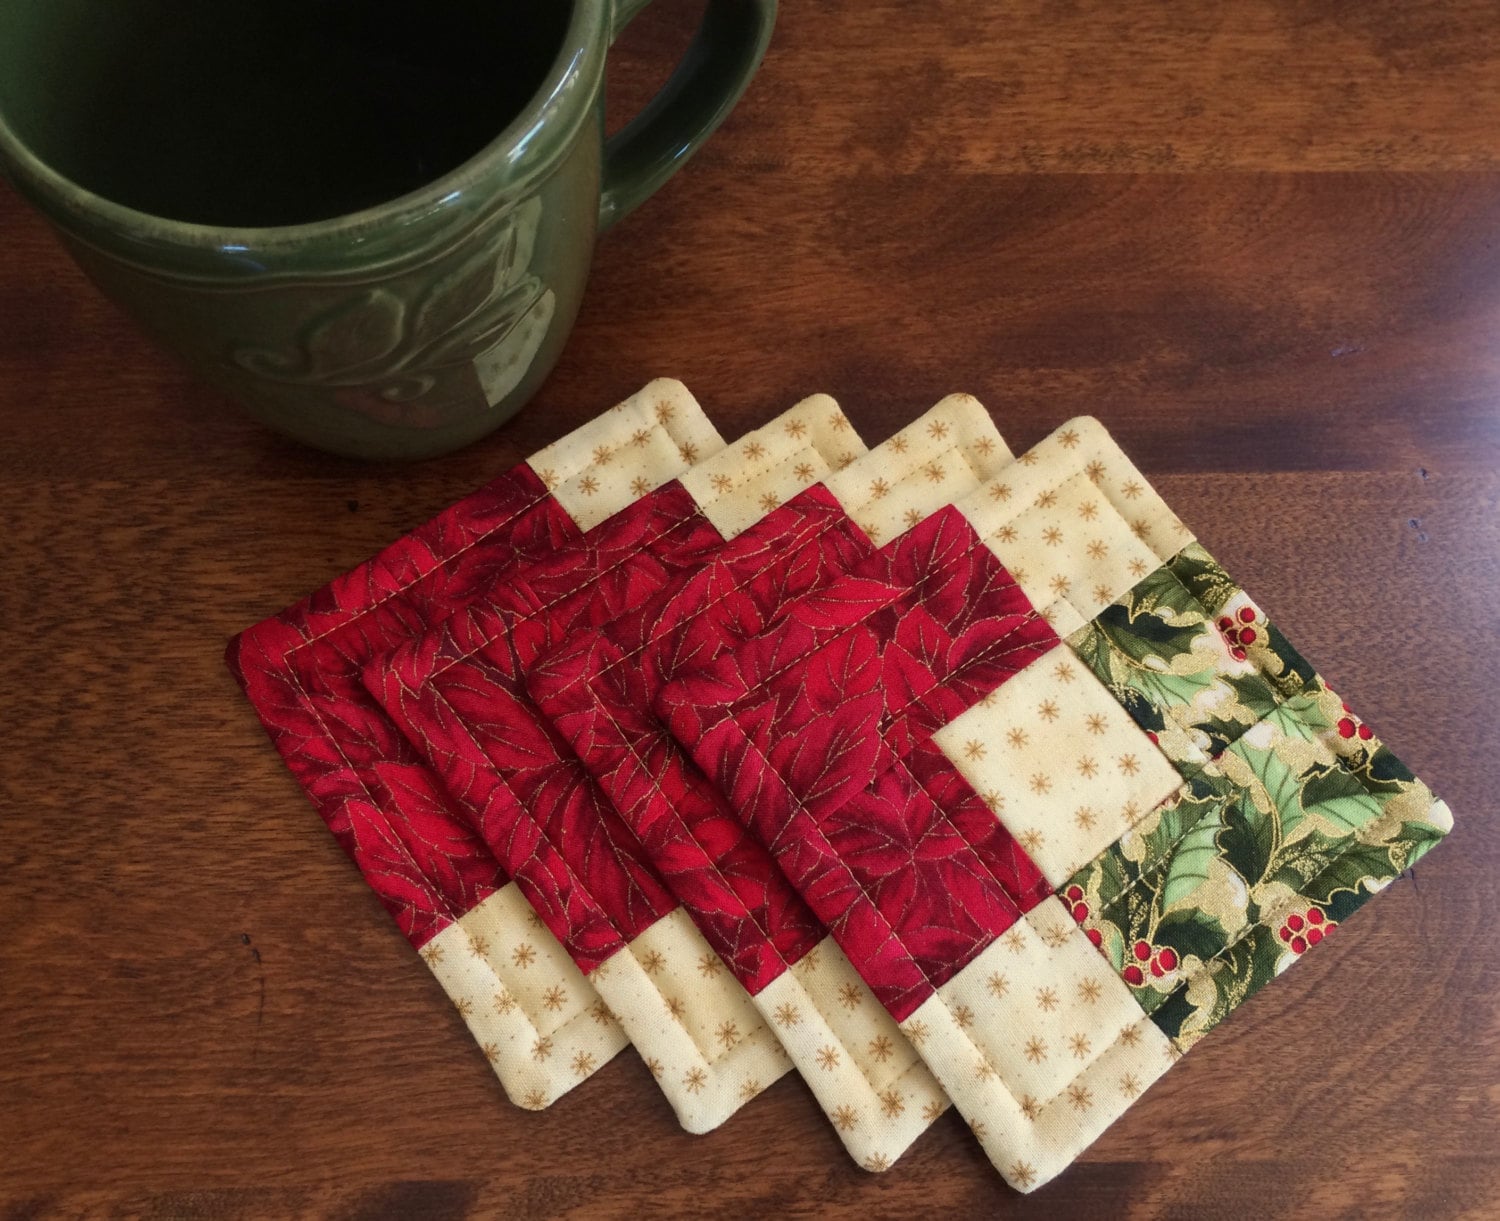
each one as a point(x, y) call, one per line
point(1039, 1044)
point(654, 436)
point(1075, 523)
point(1060, 762)
point(931, 462)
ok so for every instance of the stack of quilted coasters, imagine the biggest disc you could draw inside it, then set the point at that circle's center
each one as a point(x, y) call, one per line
point(933, 774)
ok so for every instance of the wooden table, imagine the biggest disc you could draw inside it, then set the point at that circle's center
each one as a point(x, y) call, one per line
point(1261, 241)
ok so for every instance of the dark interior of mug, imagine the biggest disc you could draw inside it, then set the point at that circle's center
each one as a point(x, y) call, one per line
point(267, 112)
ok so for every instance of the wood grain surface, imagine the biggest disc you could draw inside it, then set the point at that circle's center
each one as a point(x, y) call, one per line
point(1260, 240)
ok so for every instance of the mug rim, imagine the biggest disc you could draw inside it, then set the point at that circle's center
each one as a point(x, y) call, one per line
point(574, 71)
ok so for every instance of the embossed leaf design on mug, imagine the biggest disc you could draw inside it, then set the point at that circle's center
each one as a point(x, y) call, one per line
point(370, 222)
point(378, 340)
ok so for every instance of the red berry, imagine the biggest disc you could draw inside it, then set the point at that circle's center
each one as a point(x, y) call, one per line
point(1365, 733)
point(1080, 912)
point(1286, 933)
point(1225, 623)
point(1247, 636)
point(1294, 922)
point(1247, 614)
point(1152, 735)
point(1167, 958)
point(1330, 928)
point(1346, 728)
point(1142, 950)
point(1299, 945)
point(1156, 968)
point(1096, 937)
point(1314, 935)
point(1237, 654)
point(1133, 975)
point(1344, 706)
point(1315, 915)
point(1074, 893)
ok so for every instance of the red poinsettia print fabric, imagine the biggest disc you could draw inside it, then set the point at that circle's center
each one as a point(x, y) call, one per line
point(599, 687)
point(301, 671)
point(818, 733)
point(460, 692)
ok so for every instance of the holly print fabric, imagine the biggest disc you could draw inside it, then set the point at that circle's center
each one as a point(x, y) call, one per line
point(598, 689)
point(447, 892)
point(929, 763)
point(459, 693)
point(1292, 815)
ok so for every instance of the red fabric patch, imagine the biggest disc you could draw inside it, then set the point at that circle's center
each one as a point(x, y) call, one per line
point(301, 671)
point(598, 688)
point(460, 694)
point(818, 732)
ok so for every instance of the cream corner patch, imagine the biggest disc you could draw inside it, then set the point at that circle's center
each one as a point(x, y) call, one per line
point(1040, 1046)
point(1059, 761)
point(537, 1020)
point(691, 1021)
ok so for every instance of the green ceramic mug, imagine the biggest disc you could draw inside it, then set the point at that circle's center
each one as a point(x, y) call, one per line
point(370, 221)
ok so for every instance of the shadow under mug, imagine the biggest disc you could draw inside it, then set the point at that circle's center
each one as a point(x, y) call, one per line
point(309, 200)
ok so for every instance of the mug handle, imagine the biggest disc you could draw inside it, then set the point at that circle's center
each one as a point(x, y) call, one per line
point(698, 97)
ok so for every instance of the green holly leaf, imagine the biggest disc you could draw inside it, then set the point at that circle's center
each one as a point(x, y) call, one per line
point(1103, 879)
point(1188, 868)
point(1342, 904)
point(1142, 711)
point(1248, 840)
point(1295, 673)
point(1281, 783)
point(1308, 709)
point(1289, 717)
point(1384, 769)
point(1331, 792)
point(1221, 733)
point(1254, 693)
point(1163, 589)
point(1201, 573)
point(1171, 1012)
point(1190, 931)
point(1352, 866)
point(1248, 966)
point(1297, 863)
point(1172, 690)
point(1181, 816)
point(1143, 635)
point(1415, 840)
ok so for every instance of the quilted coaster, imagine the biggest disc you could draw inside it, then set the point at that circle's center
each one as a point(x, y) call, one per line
point(1057, 865)
point(459, 693)
point(446, 891)
point(598, 689)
